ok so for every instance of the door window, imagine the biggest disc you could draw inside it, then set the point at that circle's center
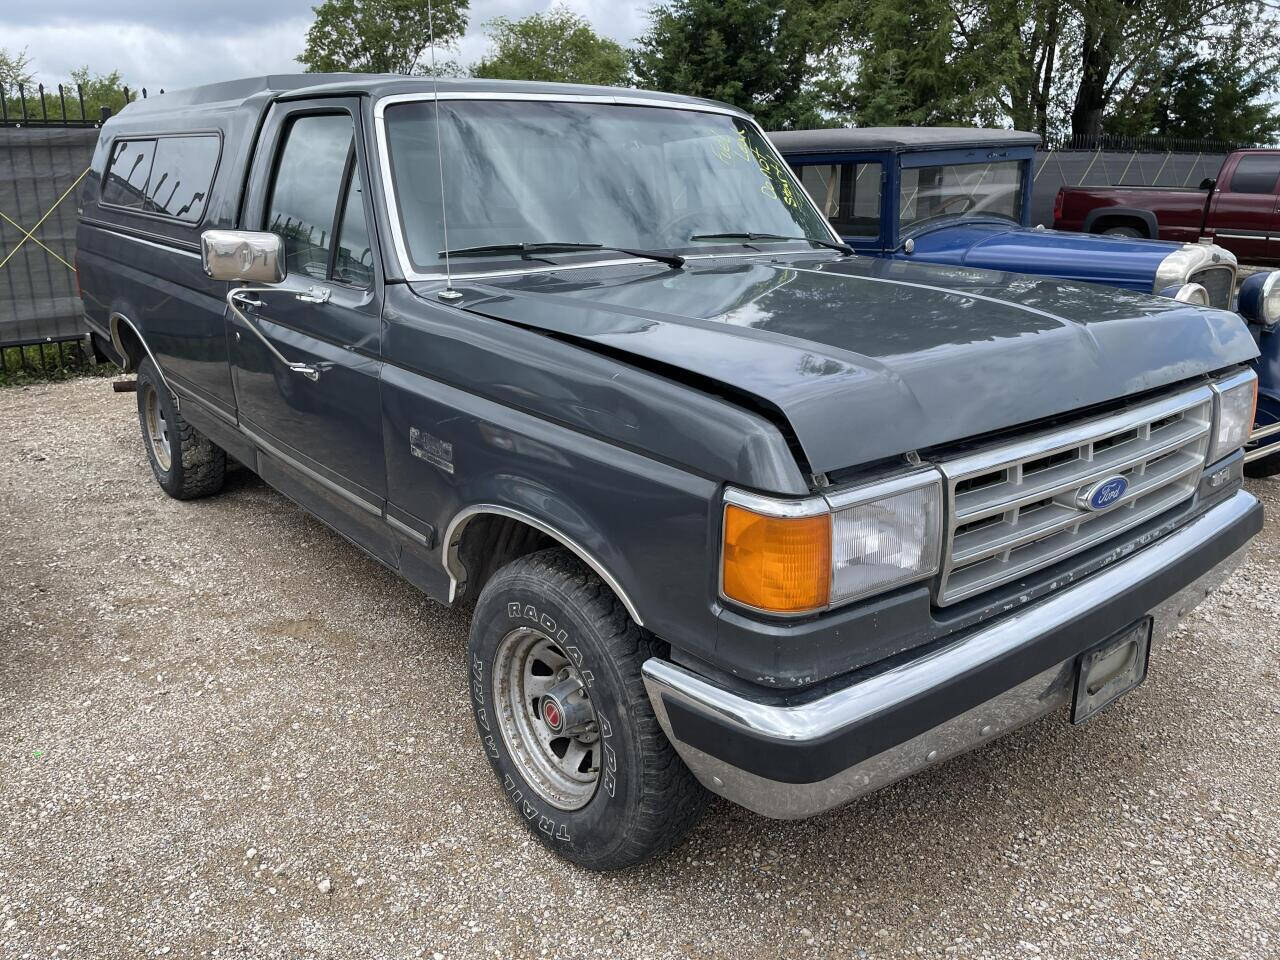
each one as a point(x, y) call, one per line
point(848, 193)
point(1256, 173)
point(304, 196)
point(353, 259)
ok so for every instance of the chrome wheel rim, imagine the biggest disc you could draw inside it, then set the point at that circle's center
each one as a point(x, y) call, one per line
point(546, 717)
point(157, 429)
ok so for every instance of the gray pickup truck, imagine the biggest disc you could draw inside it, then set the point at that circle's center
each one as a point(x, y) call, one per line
point(736, 510)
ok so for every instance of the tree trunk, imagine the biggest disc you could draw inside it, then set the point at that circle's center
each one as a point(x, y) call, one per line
point(1091, 96)
point(1046, 75)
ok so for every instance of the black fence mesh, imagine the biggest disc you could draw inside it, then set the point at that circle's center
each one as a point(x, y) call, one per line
point(40, 172)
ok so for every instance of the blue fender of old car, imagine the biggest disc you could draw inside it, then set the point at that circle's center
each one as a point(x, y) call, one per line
point(865, 177)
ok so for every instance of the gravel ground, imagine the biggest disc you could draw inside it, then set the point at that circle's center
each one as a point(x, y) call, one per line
point(225, 732)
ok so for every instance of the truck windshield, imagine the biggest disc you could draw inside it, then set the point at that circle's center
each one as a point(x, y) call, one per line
point(961, 189)
point(648, 178)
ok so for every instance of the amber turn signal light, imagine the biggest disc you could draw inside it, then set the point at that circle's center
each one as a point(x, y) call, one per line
point(778, 564)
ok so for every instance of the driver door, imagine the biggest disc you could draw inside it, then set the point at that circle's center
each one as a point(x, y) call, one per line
point(318, 430)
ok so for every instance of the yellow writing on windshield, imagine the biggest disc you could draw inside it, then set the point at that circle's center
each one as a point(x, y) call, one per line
point(777, 184)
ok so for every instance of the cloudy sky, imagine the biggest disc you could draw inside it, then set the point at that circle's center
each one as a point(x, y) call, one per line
point(177, 43)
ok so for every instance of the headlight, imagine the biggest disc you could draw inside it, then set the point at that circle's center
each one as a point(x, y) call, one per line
point(1260, 299)
point(1237, 398)
point(1187, 293)
point(792, 557)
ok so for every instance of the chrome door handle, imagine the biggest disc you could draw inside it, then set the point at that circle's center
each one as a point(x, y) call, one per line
point(314, 295)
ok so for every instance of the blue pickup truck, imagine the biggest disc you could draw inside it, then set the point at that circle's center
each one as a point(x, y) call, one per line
point(734, 511)
point(962, 196)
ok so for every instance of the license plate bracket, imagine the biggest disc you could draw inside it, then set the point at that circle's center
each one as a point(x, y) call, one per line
point(1110, 669)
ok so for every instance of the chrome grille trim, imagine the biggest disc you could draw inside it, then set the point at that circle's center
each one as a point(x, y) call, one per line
point(1219, 281)
point(1011, 508)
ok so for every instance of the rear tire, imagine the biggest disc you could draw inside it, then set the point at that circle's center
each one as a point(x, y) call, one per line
point(187, 464)
point(1124, 232)
point(564, 718)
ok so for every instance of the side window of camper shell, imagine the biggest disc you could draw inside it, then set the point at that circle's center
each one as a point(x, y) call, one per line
point(165, 176)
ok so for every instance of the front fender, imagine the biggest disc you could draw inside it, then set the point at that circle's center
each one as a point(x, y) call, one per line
point(1268, 367)
point(645, 526)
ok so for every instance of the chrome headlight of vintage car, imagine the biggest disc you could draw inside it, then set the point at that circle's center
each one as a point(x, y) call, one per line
point(1192, 293)
point(793, 557)
point(1235, 403)
point(1260, 299)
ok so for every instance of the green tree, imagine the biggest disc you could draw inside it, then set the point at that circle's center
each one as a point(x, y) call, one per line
point(379, 36)
point(99, 90)
point(930, 62)
point(15, 71)
point(779, 59)
point(1121, 45)
point(556, 46)
point(1091, 66)
point(1218, 90)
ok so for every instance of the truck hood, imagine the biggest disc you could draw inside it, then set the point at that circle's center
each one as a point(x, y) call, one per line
point(1091, 258)
point(869, 358)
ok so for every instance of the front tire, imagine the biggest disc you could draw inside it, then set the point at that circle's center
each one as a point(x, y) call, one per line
point(1123, 232)
point(564, 718)
point(186, 463)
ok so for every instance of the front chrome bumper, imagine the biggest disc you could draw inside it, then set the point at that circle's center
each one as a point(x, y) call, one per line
point(918, 713)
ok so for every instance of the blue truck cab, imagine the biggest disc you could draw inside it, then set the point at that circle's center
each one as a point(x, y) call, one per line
point(961, 196)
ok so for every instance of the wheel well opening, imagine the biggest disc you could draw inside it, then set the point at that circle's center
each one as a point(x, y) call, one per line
point(130, 344)
point(488, 543)
point(1120, 220)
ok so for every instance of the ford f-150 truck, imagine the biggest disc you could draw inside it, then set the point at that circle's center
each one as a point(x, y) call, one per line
point(1239, 210)
point(735, 509)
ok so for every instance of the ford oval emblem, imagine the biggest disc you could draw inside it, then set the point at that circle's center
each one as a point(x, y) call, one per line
point(1103, 495)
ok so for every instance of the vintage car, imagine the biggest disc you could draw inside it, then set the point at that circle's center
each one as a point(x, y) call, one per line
point(962, 196)
point(735, 509)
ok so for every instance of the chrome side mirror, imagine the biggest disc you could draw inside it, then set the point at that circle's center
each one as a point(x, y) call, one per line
point(242, 256)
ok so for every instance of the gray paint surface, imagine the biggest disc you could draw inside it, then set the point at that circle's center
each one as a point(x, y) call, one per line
point(869, 359)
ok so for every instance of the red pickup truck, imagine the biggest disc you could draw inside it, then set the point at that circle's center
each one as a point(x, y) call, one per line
point(1240, 210)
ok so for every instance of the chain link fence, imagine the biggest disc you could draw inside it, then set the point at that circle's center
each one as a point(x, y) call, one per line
point(1056, 168)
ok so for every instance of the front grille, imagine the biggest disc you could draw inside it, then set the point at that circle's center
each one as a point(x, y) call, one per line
point(1012, 509)
point(1219, 281)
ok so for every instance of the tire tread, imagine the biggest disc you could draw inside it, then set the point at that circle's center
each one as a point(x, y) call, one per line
point(672, 800)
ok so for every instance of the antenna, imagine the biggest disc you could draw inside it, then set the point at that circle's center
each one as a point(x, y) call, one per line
point(448, 293)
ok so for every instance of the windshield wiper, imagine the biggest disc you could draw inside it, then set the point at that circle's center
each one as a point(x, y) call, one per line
point(527, 249)
point(746, 237)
